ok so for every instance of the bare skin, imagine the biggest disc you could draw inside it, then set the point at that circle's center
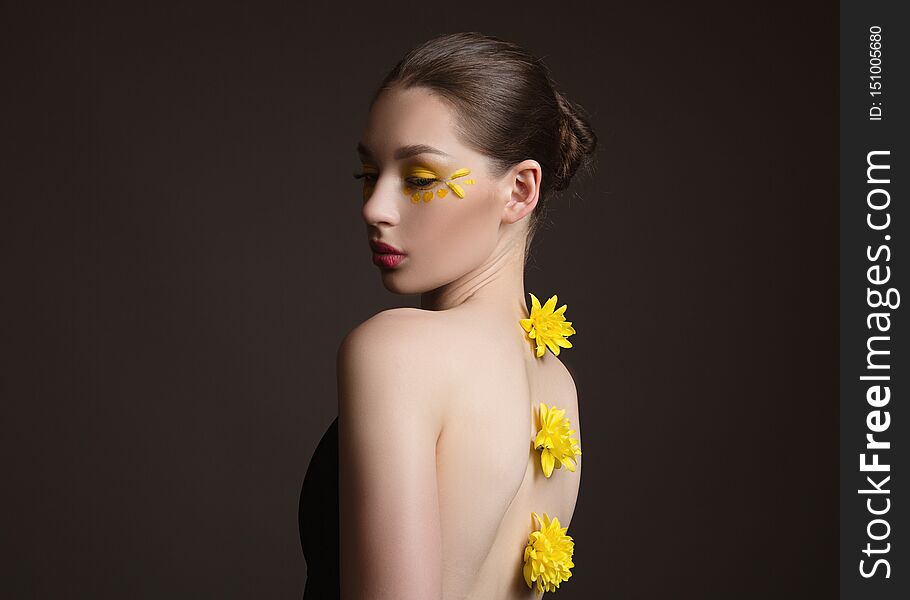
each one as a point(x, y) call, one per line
point(438, 476)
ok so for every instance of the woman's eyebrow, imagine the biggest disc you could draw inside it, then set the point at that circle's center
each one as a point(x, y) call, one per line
point(415, 149)
point(404, 151)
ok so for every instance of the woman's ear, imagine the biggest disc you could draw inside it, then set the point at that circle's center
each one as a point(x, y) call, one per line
point(523, 183)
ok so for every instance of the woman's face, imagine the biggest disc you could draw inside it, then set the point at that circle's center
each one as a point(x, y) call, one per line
point(425, 193)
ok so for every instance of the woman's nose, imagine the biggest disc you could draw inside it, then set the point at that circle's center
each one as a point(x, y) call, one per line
point(381, 203)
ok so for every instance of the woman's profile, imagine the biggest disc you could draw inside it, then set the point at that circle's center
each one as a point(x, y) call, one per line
point(442, 476)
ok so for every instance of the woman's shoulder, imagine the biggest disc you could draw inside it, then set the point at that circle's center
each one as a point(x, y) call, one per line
point(393, 329)
point(433, 336)
point(430, 348)
point(407, 351)
point(430, 351)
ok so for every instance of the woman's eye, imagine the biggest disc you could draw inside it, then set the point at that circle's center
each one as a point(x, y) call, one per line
point(369, 178)
point(421, 182)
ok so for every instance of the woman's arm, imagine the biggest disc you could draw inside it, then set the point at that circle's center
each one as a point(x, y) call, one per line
point(389, 422)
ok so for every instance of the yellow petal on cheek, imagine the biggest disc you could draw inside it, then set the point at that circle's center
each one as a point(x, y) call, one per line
point(427, 196)
point(442, 192)
point(416, 197)
point(457, 189)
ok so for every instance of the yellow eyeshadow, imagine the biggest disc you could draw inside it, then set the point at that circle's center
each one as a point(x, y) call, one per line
point(422, 173)
point(416, 194)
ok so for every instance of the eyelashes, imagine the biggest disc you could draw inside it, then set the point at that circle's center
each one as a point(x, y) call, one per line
point(369, 178)
point(421, 182)
point(366, 177)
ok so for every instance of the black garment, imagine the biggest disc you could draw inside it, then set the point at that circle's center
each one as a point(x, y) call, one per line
point(318, 520)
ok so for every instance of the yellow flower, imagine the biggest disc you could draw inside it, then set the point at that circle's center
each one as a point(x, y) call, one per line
point(548, 555)
point(548, 327)
point(554, 440)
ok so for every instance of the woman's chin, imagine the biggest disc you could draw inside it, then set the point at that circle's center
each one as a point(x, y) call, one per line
point(393, 281)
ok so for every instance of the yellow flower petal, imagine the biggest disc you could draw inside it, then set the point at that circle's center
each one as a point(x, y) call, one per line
point(547, 461)
point(548, 555)
point(554, 440)
point(553, 347)
point(459, 191)
point(547, 326)
point(550, 305)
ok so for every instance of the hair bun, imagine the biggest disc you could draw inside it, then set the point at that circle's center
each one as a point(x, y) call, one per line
point(577, 141)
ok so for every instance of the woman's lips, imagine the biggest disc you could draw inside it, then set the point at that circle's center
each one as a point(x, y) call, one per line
point(386, 255)
point(383, 248)
point(387, 260)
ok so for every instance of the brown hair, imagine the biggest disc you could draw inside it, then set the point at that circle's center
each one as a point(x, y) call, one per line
point(508, 105)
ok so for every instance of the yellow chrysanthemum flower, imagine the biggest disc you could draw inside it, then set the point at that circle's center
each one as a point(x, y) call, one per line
point(548, 555)
point(548, 327)
point(554, 440)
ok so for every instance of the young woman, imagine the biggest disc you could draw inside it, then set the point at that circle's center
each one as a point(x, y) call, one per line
point(441, 477)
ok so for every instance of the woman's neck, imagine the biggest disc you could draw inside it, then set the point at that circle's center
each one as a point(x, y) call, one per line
point(498, 284)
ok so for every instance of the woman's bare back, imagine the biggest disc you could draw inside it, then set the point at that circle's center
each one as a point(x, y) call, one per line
point(437, 474)
point(489, 475)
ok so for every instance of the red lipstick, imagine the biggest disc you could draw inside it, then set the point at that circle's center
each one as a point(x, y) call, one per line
point(383, 248)
point(386, 255)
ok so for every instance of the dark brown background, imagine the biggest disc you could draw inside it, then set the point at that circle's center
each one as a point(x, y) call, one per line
point(182, 253)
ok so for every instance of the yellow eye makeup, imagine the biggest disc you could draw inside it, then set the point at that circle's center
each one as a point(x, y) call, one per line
point(456, 188)
point(423, 184)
